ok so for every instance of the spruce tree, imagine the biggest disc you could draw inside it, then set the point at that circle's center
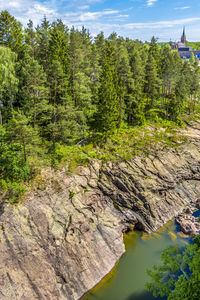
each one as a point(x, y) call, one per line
point(31, 38)
point(151, 86)
point(43, 38)
point(109, 94)
point(33, 93)
point(155, 52)
point(136, 105)
point(11, 34)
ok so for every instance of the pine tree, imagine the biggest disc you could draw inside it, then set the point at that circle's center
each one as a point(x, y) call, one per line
point(154, 51)
point(81, 73)
point(43, 38)
point(137, 99)
point(169, 79)
point(31, 38)
point(123, 69)
point(11, 34)
point(13, 167)
point(33, 93)
point(151, 86)
point(58, 45)
point(24, 139)
point(109, 94)
point(182, 92)
point(100, 43)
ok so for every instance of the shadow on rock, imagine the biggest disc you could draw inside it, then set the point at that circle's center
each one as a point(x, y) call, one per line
point(1, 209)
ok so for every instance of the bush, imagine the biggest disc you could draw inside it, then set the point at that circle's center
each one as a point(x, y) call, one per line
point(3, 185)
point(72, 194)
point(12, 164)
point(13, 191)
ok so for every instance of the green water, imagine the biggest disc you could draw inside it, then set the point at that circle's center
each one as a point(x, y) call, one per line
point(127, 280)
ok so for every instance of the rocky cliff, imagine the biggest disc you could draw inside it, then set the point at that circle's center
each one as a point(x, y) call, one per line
point(68, 232)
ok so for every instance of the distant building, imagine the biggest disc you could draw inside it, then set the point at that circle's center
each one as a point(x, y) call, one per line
point(183, 37)
point(183, 50)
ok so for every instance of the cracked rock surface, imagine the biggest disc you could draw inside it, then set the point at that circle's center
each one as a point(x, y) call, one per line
point(67, 235)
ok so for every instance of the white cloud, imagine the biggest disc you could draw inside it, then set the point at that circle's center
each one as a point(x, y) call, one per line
point(24, 10)
point(151, 2)
point(35, 10)
point(182, 8)
point(13, 4)
point(161, 24)
point(83, 7)
point(94, 1)
point(89, 16)
point(106, 20)
point(38, 8)
point(145, 30)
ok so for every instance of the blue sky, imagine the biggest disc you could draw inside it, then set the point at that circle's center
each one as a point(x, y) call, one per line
point(136, 19)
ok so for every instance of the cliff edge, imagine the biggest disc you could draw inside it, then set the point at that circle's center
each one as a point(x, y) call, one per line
point(68, 232)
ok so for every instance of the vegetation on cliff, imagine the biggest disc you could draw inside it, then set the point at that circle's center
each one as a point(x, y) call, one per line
point(66, 96)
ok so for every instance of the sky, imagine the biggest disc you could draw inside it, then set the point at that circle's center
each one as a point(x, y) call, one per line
point(135, 19)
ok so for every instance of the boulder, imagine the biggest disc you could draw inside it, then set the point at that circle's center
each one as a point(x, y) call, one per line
point(188, 224)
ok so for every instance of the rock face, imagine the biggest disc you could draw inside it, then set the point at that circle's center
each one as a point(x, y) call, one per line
point(188, 224)
point(154, 188)
point(68, 232)
point(198, 203)
point(60, 241)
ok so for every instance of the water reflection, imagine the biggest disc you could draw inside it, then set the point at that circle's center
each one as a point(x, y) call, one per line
point(144, 296)
point(127, 280)
point(196, 214)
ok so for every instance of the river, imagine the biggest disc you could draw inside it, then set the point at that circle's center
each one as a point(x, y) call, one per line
point(127, 280)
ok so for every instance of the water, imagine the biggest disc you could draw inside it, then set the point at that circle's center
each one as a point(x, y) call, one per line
point(196, 214)
point(127, 280)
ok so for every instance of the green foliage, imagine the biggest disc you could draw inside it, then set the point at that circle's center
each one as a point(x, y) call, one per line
point(8, 81)
point(178, 276)
point(72, 193)
point(194, 45)
point(123, 144)
point(12, 163)
point(3, 185)
point(66, 98)
point(10, 32)
point(151, 81)
point(109, 94)
point(13, 191)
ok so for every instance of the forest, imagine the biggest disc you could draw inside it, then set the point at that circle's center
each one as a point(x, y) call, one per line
point(61, 89)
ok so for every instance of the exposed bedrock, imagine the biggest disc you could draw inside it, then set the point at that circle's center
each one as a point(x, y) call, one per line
point(67, 235)
point(156, 188)
point(189, 225)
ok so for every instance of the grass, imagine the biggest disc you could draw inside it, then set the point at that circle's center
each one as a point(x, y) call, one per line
point(124, 144)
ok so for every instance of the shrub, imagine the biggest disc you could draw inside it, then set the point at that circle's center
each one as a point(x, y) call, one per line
point(14, 192)
point(72, 194)
point(3, 185)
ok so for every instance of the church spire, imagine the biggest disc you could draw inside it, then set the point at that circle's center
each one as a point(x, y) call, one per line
point(183, 37)
point(183, 32)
